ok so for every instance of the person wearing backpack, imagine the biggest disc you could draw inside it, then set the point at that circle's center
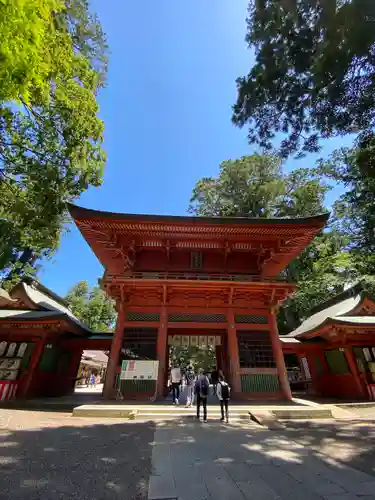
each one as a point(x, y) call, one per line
point(202, 386)
point(223, 394)
point(190, 378)
point(176, 382)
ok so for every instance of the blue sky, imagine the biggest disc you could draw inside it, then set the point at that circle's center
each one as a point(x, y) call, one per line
point(167, 113)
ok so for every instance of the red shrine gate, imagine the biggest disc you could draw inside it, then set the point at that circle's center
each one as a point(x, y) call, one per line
point(197, 276)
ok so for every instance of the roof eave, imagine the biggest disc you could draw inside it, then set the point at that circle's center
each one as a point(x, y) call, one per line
point(78, 212)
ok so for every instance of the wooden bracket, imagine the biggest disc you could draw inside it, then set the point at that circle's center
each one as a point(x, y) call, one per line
point(227, 250)
point(230, 295)
point(168, 249)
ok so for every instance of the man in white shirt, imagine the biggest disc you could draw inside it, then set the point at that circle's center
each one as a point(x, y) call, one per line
point(175, 382)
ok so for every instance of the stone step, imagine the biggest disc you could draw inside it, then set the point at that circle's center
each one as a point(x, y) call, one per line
point(264, 416)
point(169, 416)
point(104, 411)
point(119, 411)
point(266, 419)
point(303, 413)
point(181, 410)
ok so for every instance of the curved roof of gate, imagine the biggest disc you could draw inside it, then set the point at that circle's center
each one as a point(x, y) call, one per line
point(80, 212)
point(278, 239)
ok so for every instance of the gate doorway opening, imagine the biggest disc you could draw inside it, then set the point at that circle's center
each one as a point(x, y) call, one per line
point(298, 373)
point(91, 372)
point(198, 350)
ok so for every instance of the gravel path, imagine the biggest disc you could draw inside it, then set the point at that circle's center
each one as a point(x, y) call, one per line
point(55, 456)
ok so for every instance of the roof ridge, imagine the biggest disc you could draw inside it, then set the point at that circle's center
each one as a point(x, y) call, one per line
point(46, 291)
point(345, 294)
point(75, 210)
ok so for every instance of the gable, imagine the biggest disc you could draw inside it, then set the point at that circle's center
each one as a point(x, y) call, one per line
point(365, 308)
point(9, 302)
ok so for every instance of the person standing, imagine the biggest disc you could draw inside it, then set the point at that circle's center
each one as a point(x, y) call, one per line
point(202, 386)
point(214, 379)
point(189, 378)
point(223, 395)
point(175, 383)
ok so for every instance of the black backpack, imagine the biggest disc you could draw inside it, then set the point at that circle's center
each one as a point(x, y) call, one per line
point(202, 387)
point(190, 376)
point(224, 390)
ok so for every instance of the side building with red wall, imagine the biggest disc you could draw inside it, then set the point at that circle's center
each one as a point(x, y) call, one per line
point(336, 346)
point(40, 343)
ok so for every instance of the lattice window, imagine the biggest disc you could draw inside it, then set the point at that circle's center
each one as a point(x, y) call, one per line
point(135, 316)
point(260, 382)
point(140, 343)
point(196, 318)
point(48, 359)
point(250, 319)
point(306, 369)
point(255, 350)
point(336, 362)
point(364, 355)
point(196, 260)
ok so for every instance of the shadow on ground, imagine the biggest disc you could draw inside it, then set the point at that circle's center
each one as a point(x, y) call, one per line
point(76, 462)
point(237, 462)
point(351, 442)
point(71, 458)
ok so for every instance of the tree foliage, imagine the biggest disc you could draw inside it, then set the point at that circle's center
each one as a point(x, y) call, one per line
point(314, 72)
point(53, 63)
point(197, 357)
point(92, 306)
point(255, 186)
point(354, 211)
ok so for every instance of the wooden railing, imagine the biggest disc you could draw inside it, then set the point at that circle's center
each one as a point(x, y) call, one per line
point(191, 276)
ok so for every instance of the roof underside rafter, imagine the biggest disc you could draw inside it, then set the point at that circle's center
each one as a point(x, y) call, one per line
point(275, 242)
point(189, 294)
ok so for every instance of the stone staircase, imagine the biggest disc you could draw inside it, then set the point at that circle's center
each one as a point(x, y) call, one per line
point(156, 412)
point(263, 415)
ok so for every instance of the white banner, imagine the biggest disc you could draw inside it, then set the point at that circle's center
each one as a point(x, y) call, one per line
point(139, 370)
point(194, 340)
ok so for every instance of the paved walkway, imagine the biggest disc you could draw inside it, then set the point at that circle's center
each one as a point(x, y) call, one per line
point(193, 461)
point(98, 389)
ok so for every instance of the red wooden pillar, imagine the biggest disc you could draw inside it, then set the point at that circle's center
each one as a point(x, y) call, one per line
point(233, 356)
point(220, 362)
point(279, 356)
point(118, 335)
point(353, 367)
point(33, 365)
point(161, 350)
point(74, 367)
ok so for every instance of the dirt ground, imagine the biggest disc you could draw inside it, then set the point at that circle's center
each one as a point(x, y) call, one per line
point(52, 455)
point(56, 456)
